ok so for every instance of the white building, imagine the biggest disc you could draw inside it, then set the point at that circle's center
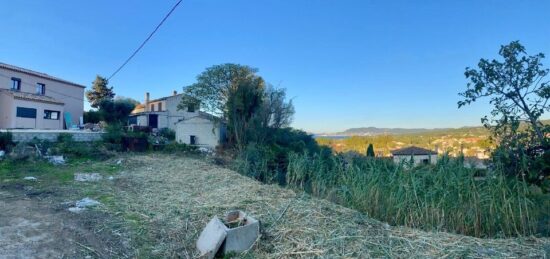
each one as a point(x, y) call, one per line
point(416, 154)
point(202, 130)
point(162, 112)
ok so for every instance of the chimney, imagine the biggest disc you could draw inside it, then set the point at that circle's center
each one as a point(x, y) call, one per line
point(146, 102)
point(175, 93)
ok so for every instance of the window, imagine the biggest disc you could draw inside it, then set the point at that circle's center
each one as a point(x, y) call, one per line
point(15, 84)
point(159, 107)
point(190, 107)
point(51, 115)
point(23, 112)
point(193, 140)
point(40, 88)
point(153, 107)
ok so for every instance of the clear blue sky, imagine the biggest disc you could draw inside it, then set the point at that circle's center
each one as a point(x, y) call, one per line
point(345, 63)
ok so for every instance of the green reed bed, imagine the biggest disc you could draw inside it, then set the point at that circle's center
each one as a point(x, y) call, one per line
point(442, 197)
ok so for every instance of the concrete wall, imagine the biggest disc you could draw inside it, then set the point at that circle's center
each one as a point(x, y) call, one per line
point(71, 95)
point(417, 159)
point(51, 135)
point(207, 132)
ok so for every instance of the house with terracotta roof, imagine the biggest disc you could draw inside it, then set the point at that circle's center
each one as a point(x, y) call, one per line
point(417, 155)
point(35, 100)
point(161, 112)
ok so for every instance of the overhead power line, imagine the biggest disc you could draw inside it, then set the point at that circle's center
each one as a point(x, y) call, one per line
point(146, 40)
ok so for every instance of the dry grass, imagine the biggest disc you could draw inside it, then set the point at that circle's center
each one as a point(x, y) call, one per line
point(166, 201)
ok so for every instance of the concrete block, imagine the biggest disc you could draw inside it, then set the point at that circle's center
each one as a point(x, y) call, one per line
point(236, 233)
point(243, 236)
point(211, 238)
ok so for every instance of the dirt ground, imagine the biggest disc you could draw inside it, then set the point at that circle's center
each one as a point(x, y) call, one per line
point(156, 205)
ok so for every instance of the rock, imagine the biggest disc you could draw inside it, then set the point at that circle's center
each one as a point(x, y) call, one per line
point(81, 205)
point(119, 162)
point(22, 151)
point(30, 178)
point(2, 153)
point(87, 177)
point(111, 178)
point(56, 160)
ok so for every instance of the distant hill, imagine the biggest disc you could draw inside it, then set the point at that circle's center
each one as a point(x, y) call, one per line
point(374, 131)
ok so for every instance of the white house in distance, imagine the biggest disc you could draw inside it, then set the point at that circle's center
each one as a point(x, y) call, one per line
point(203, 130)
point(34, 100)
point(162, 112)
point(417, 154)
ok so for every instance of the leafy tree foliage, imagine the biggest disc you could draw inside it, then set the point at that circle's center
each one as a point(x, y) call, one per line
point(92, 116)
point(519, 93)
point(214, 87)
point(243, 103)
point(128, 100)
point(516, 88)
point(100, 91)
point(370, 151)
point(115, 112)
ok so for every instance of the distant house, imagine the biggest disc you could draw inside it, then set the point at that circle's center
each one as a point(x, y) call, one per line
point(416, 154)
point(202, 130)
point(162, 112)
point(34, 100)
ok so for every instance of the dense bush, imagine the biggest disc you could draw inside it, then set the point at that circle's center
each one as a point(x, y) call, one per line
point(92, 117)
point(167, 133)
point(178, 148)
point(66, 146)
point(267, 160)
point(113, 137)
point(6, 140)
point(443, 197)
point(115, 112)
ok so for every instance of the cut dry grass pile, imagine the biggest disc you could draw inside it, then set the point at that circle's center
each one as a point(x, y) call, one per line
point(170, 199)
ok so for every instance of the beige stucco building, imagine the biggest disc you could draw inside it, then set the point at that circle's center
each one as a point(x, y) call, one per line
point(34, 100)
point(162, 112)
point(415, 154)
point(202, 130)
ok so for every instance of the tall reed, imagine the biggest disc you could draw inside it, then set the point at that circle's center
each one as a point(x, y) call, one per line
point(443, 197)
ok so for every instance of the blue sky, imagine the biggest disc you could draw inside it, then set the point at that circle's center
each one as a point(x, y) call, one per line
point(344, 63)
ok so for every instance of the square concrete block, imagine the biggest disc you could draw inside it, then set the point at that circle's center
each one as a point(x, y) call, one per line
point(236, 233)
point(241, 236)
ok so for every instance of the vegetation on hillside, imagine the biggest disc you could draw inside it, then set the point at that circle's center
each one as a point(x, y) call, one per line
point(444, 197)
point(470, 142)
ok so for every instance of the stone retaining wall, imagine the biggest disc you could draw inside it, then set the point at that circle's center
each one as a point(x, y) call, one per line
point(51, 135)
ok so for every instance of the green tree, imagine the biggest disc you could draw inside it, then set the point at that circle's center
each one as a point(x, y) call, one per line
point(244, 102)
point(214, 87)
point(370, 151)
point(100, 91)
point(519, 93)
point(115, 112)
point(516, 88)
